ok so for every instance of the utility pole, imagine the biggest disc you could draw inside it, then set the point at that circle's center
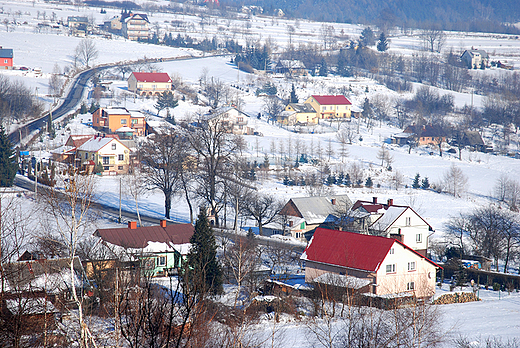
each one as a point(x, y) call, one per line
point(120, 199)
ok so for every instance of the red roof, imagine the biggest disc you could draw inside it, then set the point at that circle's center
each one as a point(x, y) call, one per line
point(140, 236)
point(152, 77)
point(368, 206)
point(352, 250)
point(332, 100)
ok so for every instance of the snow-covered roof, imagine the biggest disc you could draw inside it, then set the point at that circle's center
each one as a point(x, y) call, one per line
point(124, 129)
point(315, 210)
point(117, 111)
point(30, 306)
point(95, 144)
point(63, 149)
point(344, 281)
point(388, 218)
point(136, 114)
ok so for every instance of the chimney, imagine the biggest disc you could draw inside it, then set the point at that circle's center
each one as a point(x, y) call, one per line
point(132, 225)
point(390, 202)
point(333, 201)
point(163, 223)
point(374, 200)
point(291, 223)
point(398, 236)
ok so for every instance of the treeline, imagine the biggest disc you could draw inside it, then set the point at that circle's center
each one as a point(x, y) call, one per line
point(16, 101)
point(205, 45)
point(465, 15)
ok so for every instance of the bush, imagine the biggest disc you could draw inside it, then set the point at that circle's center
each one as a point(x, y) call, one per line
point(496, 286)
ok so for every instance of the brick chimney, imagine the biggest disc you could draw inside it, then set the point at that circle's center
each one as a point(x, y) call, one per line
point(333, 201)
point(163, 223)
point(390, 202)
point(397, 236)
point(132, 225)
point(374, 200)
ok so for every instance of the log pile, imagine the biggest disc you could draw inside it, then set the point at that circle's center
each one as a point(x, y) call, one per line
point(457, 297)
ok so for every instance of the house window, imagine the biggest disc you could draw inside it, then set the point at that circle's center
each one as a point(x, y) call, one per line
point(106, 168)
point(408, 221)
point(298, 235)
point(123, 121)
point(411, 266)
point(391, 251)
point(114, 145)
point(121, 157)
point(86, 156)
point(93, 156)
point(390, 268)
point(418, 238)
point(106, 160)
point(240, 119)
point(119, 167)
point(135, 121)
point(161, 261)
point(410, 286)
point(5, 61)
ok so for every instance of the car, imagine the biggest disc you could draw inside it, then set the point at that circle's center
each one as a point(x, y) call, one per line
point(24, 68)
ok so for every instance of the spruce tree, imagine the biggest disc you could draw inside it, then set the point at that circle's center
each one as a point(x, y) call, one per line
point(203, 273)
point(425, 183)
point(382, 44)
point(166, 100)
point(416, 184)
point(294, 97)
point(369, 183)
point(8, 162)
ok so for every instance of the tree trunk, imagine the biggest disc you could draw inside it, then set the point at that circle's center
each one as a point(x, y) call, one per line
point(167, 205)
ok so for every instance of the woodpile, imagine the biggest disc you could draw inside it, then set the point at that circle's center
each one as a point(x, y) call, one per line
point(457, 297)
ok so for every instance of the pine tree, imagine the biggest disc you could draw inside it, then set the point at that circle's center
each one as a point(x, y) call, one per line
point(425, 183)
point(294, 97)
point(382, 44)
point(83, 110)
point(165, 100)
point(367, 37)
point(202, 272)
point(8, 161)
point(416, 184)
point(369, 183)
point(93, 107)
point(324, 70)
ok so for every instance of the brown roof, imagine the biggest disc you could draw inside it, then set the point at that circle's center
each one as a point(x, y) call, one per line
point(140, 236)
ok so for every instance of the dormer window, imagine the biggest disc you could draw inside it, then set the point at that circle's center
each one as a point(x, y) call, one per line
point(114, 146)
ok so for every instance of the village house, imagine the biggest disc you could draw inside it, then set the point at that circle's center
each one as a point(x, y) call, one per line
point(114, 25)
point(303, 114)
point(78, 25)
point(475, 59)
point(6, 58)
point(290, 67)
point(107, 152)
point(301, 215)
point(330, 106)
point(112, 119)
point(161, 249)
point(395, 221)
point(149, 84)
point(67, 152)
point(427, 134)
point(136, 27)
point(233, 120)
point(387, 265)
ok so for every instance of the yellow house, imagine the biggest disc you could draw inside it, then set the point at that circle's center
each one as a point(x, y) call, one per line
point(305, 113)
point(113, 155)
point(330, 106)
point(144, 83)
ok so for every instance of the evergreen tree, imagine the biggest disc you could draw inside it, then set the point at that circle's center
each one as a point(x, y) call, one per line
point(367, 37)
point(324, 70)
point(294, 97)
point(202, 273)
point(416, 184)
point(347, 181)
point(166, 100)
point(286, 180)
point(382, 44)
point(369, 182)
point(8, 161)
point(83, 110)
point(266, 161)
point(93, 107)
point(425, 183)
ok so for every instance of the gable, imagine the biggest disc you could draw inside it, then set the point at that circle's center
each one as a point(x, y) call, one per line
point(331, 100)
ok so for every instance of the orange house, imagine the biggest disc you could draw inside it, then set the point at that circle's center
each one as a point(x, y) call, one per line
point(6, 58)
point(111, 119)
point(330, 106)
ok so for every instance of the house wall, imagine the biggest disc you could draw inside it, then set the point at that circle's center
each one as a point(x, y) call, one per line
point(411, 225)
point(315, 269)
point(109, 157)
point(6, 63)
point(423, 276)
point(135, 28)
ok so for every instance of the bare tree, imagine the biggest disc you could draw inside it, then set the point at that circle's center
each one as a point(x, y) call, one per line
point(507, 190)
point(86, 52)
point(162, 161)
point(386, 158)
point(71, 213)
point(433, 39)
point(273, 106)
point(457, 232)
point(343, 138)
point(263, 208)
point(397, 179)
point(55, 81)
point(454, 181)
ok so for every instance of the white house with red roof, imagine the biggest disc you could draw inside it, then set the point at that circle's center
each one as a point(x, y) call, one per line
point(149, 83)
point(396, 221)
point(388, 265)
point(330, 106)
